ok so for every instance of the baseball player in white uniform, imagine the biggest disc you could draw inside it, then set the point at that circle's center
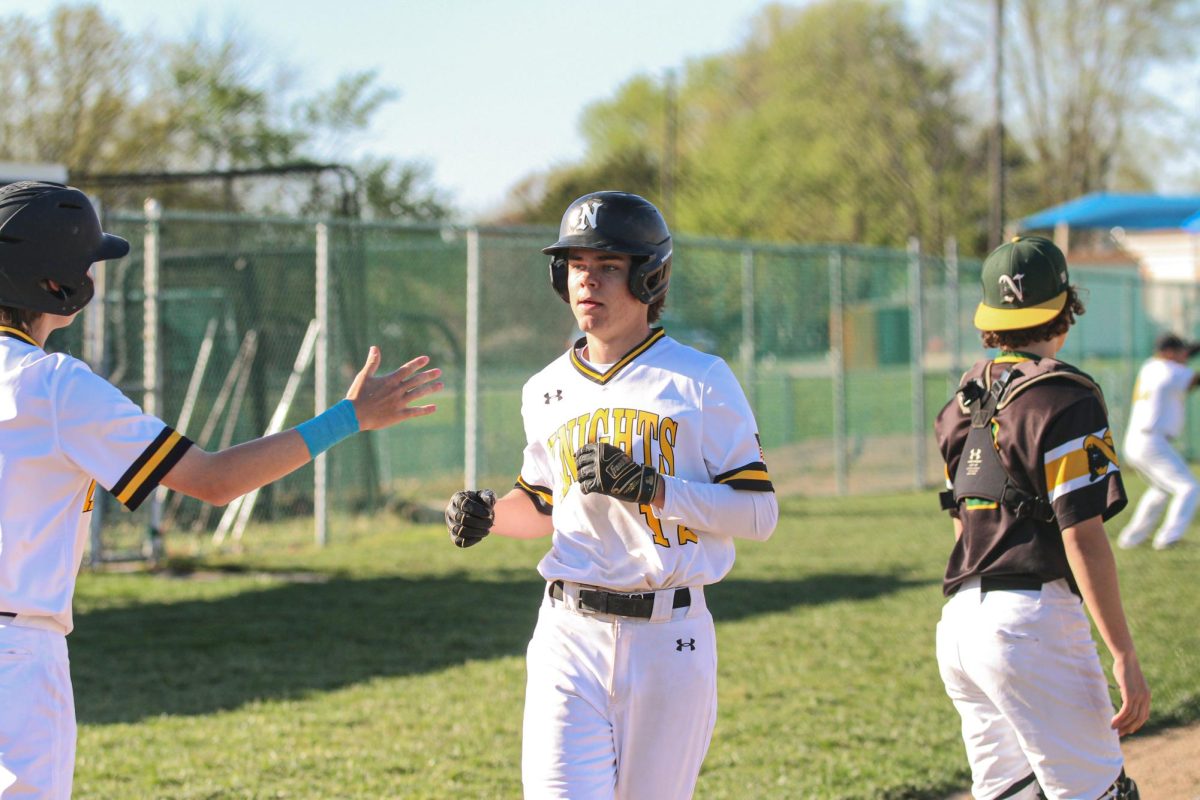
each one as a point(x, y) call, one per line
point(63, 430)
point(1157, 417)
point(643, 463)
point(1033, 476)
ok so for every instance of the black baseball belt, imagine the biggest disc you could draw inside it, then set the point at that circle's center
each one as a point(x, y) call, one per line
point(640, 605)
point(1007, 583)
point(7, 614)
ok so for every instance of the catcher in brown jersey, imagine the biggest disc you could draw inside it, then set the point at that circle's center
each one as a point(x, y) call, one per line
point(1032, 476)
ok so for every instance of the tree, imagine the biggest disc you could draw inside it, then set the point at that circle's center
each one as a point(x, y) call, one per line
point(1078, 84)
point(826, 124)
point(401, 190)
point(72, 93)
point(69, 91)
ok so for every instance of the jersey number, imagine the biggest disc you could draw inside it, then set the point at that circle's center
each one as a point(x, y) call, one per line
point(683, 533)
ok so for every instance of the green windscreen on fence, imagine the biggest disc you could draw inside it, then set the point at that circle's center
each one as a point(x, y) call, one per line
point(846, 353)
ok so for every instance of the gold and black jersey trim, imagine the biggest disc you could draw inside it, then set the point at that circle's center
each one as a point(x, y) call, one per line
point(751, 478)
point(604, 377)
point(543, 498)
point(16, 333)
point(155, 461)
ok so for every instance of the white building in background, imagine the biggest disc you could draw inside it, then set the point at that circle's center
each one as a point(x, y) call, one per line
point(13, 171)
point(1171, 255)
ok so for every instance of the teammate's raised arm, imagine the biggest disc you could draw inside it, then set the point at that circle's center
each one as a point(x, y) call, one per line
point(373, 402)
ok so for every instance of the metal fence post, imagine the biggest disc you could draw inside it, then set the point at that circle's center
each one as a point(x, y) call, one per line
point(953, 325)
point(321, 383)
point(471, 390)
point(95, 355)
point(837, 358)
point(748, 347)
point(151, 356)
point(916, 347)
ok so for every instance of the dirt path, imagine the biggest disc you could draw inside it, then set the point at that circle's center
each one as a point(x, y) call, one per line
point(1166, 766)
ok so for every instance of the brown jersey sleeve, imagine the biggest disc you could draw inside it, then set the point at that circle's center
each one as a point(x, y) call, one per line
point(1080, 468)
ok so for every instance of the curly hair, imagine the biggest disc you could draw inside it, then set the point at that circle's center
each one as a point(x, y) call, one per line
point(1022, 337)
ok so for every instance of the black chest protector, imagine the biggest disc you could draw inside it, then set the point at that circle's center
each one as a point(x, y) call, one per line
point(980, 473)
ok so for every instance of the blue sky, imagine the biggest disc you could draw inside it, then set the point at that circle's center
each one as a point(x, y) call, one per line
point(491, 91)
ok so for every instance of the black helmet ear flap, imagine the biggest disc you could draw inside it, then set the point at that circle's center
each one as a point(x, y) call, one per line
point(648, 281)
point(558, 275)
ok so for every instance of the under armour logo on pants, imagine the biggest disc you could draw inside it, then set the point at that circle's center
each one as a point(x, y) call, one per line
point(690, 644)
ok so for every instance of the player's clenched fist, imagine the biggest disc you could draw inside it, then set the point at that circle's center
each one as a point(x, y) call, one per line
point(606, 469)
point(470, 515)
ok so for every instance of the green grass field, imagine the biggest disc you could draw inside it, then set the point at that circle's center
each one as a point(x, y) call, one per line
point(391, 664)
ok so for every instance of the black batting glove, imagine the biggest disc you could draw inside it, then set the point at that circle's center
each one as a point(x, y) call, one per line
point(470, 516)
point(607, 470)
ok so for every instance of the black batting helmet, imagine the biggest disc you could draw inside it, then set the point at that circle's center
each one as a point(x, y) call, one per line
point(618, 222)
point(50, 232)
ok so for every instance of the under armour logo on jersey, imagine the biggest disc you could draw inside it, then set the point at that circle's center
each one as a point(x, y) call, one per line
point(974, 460)
point(690, 644)
point(1011, 289)
point(585, 215)
point(556, 396)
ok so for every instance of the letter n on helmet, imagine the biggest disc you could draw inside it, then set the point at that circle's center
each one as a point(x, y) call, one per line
point(618, 222)
point(50, 232)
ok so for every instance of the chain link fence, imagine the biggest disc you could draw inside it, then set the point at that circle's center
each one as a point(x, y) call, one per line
point(847, 353)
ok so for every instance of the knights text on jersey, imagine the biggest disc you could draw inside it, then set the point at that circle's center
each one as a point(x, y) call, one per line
point(62, 430)
point(1055, 441)
point(667, 405)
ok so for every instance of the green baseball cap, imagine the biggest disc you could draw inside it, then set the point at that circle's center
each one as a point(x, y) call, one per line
point(1024, 285)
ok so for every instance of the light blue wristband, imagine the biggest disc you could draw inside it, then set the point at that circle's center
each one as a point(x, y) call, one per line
point(329, 427)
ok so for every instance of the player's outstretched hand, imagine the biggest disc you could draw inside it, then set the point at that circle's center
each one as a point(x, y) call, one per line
point(382, 401)
point(606, 469)
point(1135, 696)
point(470, 515)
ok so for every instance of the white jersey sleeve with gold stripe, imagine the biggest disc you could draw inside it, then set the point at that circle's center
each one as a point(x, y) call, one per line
point(64, 429)
point(667, 405)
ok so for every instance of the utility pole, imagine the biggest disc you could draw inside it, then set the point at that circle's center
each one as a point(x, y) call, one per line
point(666, 179)
point(996, 221)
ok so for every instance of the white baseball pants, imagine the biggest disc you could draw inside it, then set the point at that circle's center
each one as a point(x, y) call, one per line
point(618, 708)
point(37, 715)
point(1024, 674)
point(1170, 479)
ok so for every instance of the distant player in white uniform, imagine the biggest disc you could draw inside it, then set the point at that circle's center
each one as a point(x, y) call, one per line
point(64, 429)
point(643, 461)
point(1156, 418)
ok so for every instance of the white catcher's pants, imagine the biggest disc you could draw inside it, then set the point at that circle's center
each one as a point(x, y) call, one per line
point(1169, 479)
point(1024, 674)
point(37, 715)
point(617, 707)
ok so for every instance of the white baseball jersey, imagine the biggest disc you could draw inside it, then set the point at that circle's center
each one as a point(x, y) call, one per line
point(666, 405)
point(1158, 398)
point(62, 430)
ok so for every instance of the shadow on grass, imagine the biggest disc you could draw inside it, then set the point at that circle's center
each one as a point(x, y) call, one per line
point(203, 656)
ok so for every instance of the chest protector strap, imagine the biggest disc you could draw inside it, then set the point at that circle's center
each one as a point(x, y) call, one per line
point(980, 473)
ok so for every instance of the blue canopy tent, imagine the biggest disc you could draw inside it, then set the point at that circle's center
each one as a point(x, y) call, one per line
point(1118, 210)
